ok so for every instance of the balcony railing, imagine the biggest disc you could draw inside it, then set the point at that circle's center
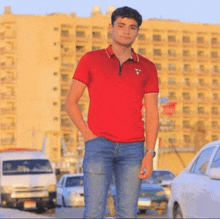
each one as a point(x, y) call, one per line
point(8, 126)
point(67, 37)
point(7, 110)
point(8, 80)
point(4, 65)
point(9, 141)
point(8, 95)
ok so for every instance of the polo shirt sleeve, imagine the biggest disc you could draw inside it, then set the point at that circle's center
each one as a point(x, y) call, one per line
point(82, 72)
point(151, 85)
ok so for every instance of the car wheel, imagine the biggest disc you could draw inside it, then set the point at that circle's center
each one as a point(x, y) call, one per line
point(111, 206)
point(142, 211)
point(177, 213)
point(63, 202)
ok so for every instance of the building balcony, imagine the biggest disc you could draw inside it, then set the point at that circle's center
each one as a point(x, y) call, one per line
point(191, 43)
point(174, 71)
point(215, 59)
point(189, 58)
point(189, 114)
point(215, 87)
point(6, 35)
point(215, 45)
point(4, 65)
point(67, 38)
point(8, 141)
point(202, 86)
point(203, 115)
point(202, 72)
point(215, 73)
point(173, 57)
point(6, 126)
point(187, 128)
point(158, 42)
point(143, 41)
point(67, 66)
point(173, 85)
point(8, 96)
point(203, 100)
point(203, 44)
point(217, 101)
point(8, 80)
point(67, 52)
point(203, 58)
point(4, 50)
point(174, 43)
point(83, 39)
point(188, 100)
point(188, 72)
point(7, 110)
point(215, 129)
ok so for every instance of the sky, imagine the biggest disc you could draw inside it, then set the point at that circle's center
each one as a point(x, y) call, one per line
point(199, 11)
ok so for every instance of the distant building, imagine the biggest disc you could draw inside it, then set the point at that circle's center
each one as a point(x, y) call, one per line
point(38, 56)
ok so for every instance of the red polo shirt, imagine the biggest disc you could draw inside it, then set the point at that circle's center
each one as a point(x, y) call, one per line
point(116, 93)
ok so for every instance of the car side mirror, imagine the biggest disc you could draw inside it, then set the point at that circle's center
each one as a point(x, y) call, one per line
point(214, 173)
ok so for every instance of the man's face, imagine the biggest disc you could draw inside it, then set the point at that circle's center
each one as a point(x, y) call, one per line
point(124, 31)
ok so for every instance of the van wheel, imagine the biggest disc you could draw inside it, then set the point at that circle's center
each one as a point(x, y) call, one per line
point(63, 201)
point(142, 211)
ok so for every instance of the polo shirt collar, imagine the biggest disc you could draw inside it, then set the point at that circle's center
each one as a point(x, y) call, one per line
point(110, 53)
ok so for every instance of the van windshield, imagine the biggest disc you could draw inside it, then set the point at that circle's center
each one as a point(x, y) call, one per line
point(24, 167)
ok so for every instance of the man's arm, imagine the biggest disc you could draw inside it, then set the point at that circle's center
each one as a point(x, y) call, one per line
point(75, 92)
point(152, 127)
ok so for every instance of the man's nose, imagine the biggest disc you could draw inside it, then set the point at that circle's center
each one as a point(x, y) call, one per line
point(126, 30)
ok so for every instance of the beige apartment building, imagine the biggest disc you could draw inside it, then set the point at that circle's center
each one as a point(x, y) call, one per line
point(38, 56)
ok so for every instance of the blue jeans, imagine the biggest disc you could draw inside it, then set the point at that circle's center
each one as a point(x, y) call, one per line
point(102, 159)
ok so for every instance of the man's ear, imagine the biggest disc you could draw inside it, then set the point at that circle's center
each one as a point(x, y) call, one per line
point(110, 26)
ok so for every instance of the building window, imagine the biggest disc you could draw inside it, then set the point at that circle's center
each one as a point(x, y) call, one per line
point(171, 67)
point(186, 39)
point(214, 82)
point(186, 109)
point(186, 139)
point(214, 40)
point(200, 40)
point(55, 88)
point(200, 53)
point(172, 140)
point(158, 66)
point(80, 33)
point(156, 38)
point(172, 52)
point(214, 54)
point(201, 68)
point(186, 124)
point(96, 48)
point(171, 81)
point(157, 52)
point(172, 95)
point(55, 103)
point(200, 110)
point(171, 38)
point(187, 81)
point(96, 35)
point(214, 110)
point(142, 51)
point(55, 29)
point(55, 73)
point(200, 95)
point(186, 67)
point(201, 81)
point(186, 96)
point(80, 48)
point(186, 53)
point(65, 33)
point(214, 124)
point(215, 96)
point(214, 137)
point(215, 68)
point(141, 36)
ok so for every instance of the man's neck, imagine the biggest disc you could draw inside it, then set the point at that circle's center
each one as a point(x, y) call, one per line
point(123, 53)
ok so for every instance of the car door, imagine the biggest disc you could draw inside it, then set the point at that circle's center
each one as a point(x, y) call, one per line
point(211, 195)
point(195, 184)
point(60, 190)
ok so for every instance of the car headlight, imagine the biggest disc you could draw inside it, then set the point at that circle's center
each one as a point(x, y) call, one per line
point(7, 189)
point(51, 188)
point(160, 193)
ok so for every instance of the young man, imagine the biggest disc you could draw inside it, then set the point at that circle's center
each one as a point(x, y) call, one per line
point(117, 79)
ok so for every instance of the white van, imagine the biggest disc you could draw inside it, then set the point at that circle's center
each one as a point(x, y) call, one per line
point(27, 180)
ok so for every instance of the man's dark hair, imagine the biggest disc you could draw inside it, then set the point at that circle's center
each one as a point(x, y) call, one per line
point(126, 12)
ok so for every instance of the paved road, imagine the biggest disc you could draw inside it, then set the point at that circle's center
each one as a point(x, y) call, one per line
point(69, 212)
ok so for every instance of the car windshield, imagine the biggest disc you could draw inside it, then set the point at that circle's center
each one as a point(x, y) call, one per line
point(25, 167)
point(158, 176)
point(74, 181)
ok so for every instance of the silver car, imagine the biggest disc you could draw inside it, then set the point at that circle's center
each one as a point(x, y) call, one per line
point(70, 191)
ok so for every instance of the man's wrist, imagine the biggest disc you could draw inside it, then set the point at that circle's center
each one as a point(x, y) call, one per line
point(151, 151)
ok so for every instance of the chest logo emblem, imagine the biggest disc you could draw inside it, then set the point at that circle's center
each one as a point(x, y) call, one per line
point(137, 71)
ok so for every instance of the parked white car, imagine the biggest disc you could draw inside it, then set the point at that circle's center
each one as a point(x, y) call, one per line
point(70, 191)
point(195, 193)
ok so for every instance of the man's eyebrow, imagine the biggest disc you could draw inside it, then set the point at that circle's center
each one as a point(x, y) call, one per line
point(132, 25)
